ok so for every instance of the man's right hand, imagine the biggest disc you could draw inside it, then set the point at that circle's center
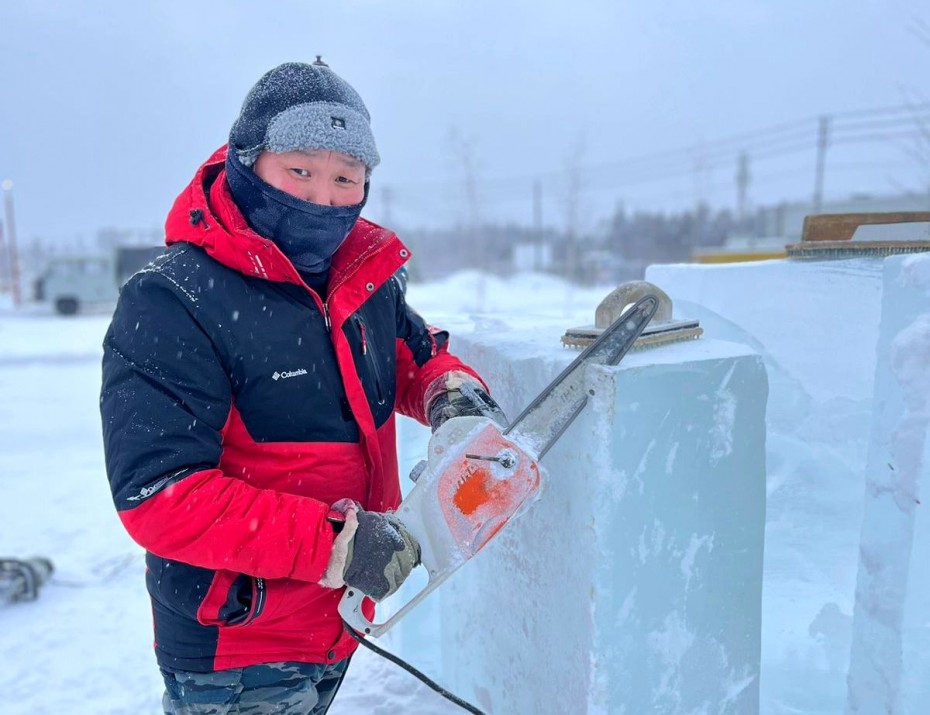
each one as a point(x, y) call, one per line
point(373, 552)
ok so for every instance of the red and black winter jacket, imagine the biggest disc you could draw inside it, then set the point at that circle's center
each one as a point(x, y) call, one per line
point(237, 406)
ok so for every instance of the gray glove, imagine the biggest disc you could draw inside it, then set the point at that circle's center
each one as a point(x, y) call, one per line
point(465, 398)
point(373, 552)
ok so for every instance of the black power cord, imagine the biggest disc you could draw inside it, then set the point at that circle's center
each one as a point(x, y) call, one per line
point(413, 671)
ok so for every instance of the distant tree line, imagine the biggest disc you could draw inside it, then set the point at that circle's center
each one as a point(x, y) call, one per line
point(618, 248)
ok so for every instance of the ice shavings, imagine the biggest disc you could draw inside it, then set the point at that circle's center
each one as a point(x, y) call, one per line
point(915, 271)
point(670, 458)
point(691, 552)
point(886, 569)
point(669, 643)
point(910, 364)
point(651, 542)
point(721, 433)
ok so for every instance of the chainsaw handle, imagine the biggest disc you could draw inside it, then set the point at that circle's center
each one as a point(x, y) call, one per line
point(350, 608)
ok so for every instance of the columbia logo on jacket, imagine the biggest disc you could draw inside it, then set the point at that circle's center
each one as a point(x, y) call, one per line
point(288, 373)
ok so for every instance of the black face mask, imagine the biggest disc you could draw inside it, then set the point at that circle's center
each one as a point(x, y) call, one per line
point(308, 234)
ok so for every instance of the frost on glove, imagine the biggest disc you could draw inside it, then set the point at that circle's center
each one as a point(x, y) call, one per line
point(457, 394)
point(373, 552)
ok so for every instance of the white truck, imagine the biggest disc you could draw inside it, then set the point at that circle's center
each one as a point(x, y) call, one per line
point(71, 284)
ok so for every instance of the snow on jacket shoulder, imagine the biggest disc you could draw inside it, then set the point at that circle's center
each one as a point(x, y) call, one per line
point(237, 406)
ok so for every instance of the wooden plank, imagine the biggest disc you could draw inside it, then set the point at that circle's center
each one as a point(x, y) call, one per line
point(841, 227)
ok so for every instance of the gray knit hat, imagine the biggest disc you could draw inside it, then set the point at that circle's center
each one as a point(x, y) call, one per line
point(303, 106)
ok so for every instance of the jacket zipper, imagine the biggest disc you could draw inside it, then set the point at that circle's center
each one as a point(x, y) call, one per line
point(326, 319)
point(370, 359)
point(329, 324)
point(260, 592)
point(345, 277)
point(258, 603)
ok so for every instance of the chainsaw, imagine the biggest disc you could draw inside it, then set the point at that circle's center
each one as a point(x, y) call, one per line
point(478, 475)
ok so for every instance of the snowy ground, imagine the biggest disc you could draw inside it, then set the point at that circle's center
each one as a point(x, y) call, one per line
point(85, 645)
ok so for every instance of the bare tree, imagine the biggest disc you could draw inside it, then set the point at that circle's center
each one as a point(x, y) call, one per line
point(463, 151)
point(921, 28)
point(573, 208)
point(920, 147)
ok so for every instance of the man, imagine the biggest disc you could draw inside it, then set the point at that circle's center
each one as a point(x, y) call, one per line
point(251, 377)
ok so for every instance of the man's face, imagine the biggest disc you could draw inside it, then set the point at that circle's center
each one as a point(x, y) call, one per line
point(327, 178)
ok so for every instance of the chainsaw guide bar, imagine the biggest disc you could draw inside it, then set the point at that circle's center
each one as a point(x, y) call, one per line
point(478, 476)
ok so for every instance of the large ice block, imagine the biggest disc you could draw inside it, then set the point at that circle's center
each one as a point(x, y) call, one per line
point(816, 325)
point(890, 658)
point(633, 584)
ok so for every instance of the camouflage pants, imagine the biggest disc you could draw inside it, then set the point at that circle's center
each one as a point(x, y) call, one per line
point(273, 688)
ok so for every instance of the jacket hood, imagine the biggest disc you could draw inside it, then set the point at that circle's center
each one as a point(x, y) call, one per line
point(206, 215)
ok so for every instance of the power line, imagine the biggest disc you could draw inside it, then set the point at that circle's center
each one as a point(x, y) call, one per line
point(787, 136)
point(888, 123)
point(880, 137)
point(920, 106)
point(770, 144)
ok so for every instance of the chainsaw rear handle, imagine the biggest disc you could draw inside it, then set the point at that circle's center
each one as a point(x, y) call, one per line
point(350, 608)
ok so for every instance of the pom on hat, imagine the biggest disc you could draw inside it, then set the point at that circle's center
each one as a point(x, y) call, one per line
point(303, 106)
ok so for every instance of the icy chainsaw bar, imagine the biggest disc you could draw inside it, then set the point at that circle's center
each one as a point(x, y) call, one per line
point(477, 476)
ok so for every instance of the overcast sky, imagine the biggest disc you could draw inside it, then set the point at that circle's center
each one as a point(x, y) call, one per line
point(108, 107)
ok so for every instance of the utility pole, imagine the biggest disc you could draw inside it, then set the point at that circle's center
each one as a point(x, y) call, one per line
point(742, 188)
point(3, 263)
point(823, 137)
point(387, 196)
point(573, 269)
point(571, 223)
point(464, 149)
point(12, 257)
point(537, 224)
point(701, 179)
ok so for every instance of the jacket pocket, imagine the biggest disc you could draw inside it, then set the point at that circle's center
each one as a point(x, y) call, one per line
point(233, 599)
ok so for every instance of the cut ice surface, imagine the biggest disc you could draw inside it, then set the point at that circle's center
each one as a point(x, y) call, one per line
point(889, 663)
point(681, 613)
point(816, 325)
